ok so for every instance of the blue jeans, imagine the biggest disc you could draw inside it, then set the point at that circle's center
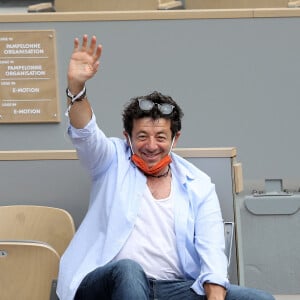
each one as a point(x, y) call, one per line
point(126, 280)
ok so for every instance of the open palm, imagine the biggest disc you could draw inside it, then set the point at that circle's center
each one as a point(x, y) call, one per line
point(84, 61)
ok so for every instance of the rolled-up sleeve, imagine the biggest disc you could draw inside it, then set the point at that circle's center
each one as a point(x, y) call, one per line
point(94, 149)
point(210, 241)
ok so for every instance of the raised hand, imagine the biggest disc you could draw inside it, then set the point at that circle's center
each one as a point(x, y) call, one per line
point(84, 63)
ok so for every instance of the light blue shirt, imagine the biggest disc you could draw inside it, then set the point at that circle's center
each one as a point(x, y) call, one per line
point(117, 187)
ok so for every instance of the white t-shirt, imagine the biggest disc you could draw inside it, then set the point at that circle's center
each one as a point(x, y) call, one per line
point(152, 242)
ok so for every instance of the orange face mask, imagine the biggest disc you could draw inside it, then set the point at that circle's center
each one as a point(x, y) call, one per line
point(142, 165)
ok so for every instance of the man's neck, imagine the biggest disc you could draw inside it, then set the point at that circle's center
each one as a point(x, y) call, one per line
point(160, 187)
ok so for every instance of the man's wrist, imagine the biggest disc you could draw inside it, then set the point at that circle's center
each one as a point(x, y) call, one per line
point(75, 86)
point(76, 97)
point(214, 291)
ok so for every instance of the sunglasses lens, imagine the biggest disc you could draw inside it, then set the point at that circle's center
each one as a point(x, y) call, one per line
point(165, 108)
point(145, 104)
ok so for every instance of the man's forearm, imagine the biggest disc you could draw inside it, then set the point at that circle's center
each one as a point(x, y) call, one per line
point(80, 113)
point(214, 291)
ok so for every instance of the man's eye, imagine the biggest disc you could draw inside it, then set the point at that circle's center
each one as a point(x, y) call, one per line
point(141, 137)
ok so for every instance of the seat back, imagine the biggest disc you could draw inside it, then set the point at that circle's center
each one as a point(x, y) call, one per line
point(27, 270)
point(51, 225)
point(229, 233)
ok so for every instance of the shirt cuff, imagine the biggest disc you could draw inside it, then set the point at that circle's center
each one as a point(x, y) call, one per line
point(209, 278)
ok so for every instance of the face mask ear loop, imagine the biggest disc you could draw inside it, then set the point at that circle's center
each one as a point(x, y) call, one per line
point(130, 144)
point(172, 145)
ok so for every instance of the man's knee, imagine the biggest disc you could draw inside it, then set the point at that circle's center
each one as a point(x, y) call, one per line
point(268, 296)
point(128, 267)
point(238, 292)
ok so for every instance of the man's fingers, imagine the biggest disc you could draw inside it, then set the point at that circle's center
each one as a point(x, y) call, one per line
point(98, 52)
point(84, 42)
point(76, 44)
point(95, 49)
point(96, 65)
point(92, 48)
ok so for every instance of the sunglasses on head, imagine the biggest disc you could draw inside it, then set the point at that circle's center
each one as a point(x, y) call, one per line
point(147, 105)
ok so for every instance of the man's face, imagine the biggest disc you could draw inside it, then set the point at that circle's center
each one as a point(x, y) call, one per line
point(152, 139)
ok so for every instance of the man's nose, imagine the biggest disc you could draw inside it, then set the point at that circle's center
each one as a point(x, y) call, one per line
point(151, 144)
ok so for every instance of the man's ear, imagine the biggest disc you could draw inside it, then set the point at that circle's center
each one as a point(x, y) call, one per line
point(176, 138)
point(126, 136)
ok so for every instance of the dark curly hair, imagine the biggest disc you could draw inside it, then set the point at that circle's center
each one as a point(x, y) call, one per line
point(132, 111)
